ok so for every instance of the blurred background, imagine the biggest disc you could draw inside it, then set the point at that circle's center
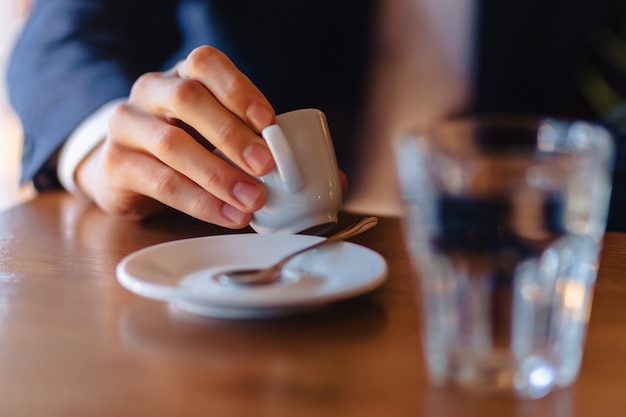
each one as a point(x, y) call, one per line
point(12, 15)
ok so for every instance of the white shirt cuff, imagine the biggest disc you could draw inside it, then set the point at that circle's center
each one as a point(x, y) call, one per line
point(87, 135)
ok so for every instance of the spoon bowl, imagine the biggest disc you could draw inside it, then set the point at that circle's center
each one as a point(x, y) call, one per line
point(273, 273)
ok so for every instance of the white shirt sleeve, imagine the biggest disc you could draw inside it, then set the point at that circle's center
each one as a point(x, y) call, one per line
point(87, 135)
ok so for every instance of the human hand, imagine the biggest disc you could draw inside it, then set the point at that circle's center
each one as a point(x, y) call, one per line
point(158, 150)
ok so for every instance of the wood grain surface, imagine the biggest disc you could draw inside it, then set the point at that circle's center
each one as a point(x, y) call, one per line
point(73, 342)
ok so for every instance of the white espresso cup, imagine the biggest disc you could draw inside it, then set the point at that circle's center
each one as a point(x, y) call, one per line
point(303, 190)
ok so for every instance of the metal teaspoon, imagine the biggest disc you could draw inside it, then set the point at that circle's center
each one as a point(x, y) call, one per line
point(272, 274)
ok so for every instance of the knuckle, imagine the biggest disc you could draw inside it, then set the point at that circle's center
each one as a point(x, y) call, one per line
point(112, 157)
point(183, 94)
point(202, 203)
point(227, 131)
point(214, 179)
point(123, 111)
point(166, 141)
point(165, 183)
point(143, 82)
point(114, 162)
point(202, 57)
point(231, 88)
point(120, 115)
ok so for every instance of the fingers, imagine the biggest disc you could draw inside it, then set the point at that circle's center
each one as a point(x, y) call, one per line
point(189, 101)
point(230, 86)
point(158, 150)
point(164, 184)
point(134, 186)
point(177, 151)
point(208, 92)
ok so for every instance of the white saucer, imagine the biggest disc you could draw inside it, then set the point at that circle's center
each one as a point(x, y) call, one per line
point(182, 273)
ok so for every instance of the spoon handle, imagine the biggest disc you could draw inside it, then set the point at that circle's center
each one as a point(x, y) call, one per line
point(357, 228)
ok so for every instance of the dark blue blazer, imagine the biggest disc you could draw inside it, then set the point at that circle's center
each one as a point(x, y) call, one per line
point(75, 55)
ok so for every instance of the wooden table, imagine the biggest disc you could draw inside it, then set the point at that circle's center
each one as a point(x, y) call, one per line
point(73, 342)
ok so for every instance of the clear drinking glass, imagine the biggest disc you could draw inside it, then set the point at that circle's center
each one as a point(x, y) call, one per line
point(504, 219)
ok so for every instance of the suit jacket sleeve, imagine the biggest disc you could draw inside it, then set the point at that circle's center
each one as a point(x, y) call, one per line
point(75, 55)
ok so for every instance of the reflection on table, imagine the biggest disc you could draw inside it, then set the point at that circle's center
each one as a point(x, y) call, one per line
point(73, 342)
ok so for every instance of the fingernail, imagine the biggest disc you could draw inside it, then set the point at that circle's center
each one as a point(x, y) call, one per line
point(258, 157)
point(246, 193)
point(260, 116)
point(232, 214)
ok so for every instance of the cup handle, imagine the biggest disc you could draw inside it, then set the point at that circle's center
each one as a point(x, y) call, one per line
point(286, 165)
